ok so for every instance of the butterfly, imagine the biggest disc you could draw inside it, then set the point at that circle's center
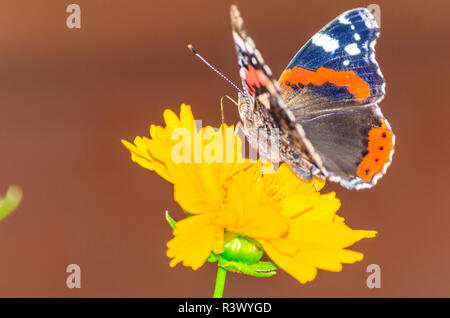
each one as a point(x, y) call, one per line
point(324, 105)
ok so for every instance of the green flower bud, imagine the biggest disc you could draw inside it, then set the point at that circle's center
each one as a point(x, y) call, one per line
point(239, 249)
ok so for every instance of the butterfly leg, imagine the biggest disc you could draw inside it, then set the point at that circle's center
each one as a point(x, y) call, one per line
point(221, 106)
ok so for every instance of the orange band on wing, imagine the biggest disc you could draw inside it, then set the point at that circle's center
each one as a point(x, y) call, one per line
point(354, 84)
point(379, 150)
point(258, 78)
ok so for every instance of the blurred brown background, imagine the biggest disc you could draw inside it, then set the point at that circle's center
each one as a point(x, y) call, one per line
point(68, 96)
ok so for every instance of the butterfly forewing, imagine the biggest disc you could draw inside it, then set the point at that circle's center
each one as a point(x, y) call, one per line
point(337, 66)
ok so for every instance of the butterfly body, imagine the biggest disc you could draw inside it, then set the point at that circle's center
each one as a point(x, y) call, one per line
point(322, 112)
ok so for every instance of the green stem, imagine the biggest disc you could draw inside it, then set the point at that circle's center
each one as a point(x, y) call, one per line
point(220, 282)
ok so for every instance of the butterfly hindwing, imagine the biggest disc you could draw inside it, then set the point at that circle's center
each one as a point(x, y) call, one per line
point(355, 144)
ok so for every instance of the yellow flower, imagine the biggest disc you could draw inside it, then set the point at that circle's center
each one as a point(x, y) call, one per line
point(294, 224)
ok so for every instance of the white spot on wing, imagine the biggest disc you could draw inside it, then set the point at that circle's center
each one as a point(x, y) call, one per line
point(344, 20)
point(326, 42)
point(259, 57)
point(357, 37)
point(242, 72)
point(370, 23)
point(267, 70)
point(250, 44)
point(346, 62)
point(352, 49)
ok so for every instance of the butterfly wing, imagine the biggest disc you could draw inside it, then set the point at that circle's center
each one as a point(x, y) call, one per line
point(331, 86)
point(262, 108)
point(336, 66)
point(355, 145)
point(256, 76)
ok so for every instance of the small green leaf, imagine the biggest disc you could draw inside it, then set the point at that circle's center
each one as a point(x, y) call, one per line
point(260, 269)
point(264, 267)
point(252, 272)
point(171, 221)
point(10, 202)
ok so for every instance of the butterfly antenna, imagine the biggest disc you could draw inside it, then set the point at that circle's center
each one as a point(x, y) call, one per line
point(190, 47)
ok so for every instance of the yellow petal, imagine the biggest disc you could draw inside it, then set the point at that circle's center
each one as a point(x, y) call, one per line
point(197, 188)
point(290, 184)
point(326, 257)
point(157, 132)
point(186, 117)
point(285, 246)
point(301, 271)
point(325, 233)
point(296, 205)
point(324, 208)
point(142, 157)
point(171, 119)
point(194, 240)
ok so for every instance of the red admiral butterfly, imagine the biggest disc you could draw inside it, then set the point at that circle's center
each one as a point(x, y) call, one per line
point(324, 104)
